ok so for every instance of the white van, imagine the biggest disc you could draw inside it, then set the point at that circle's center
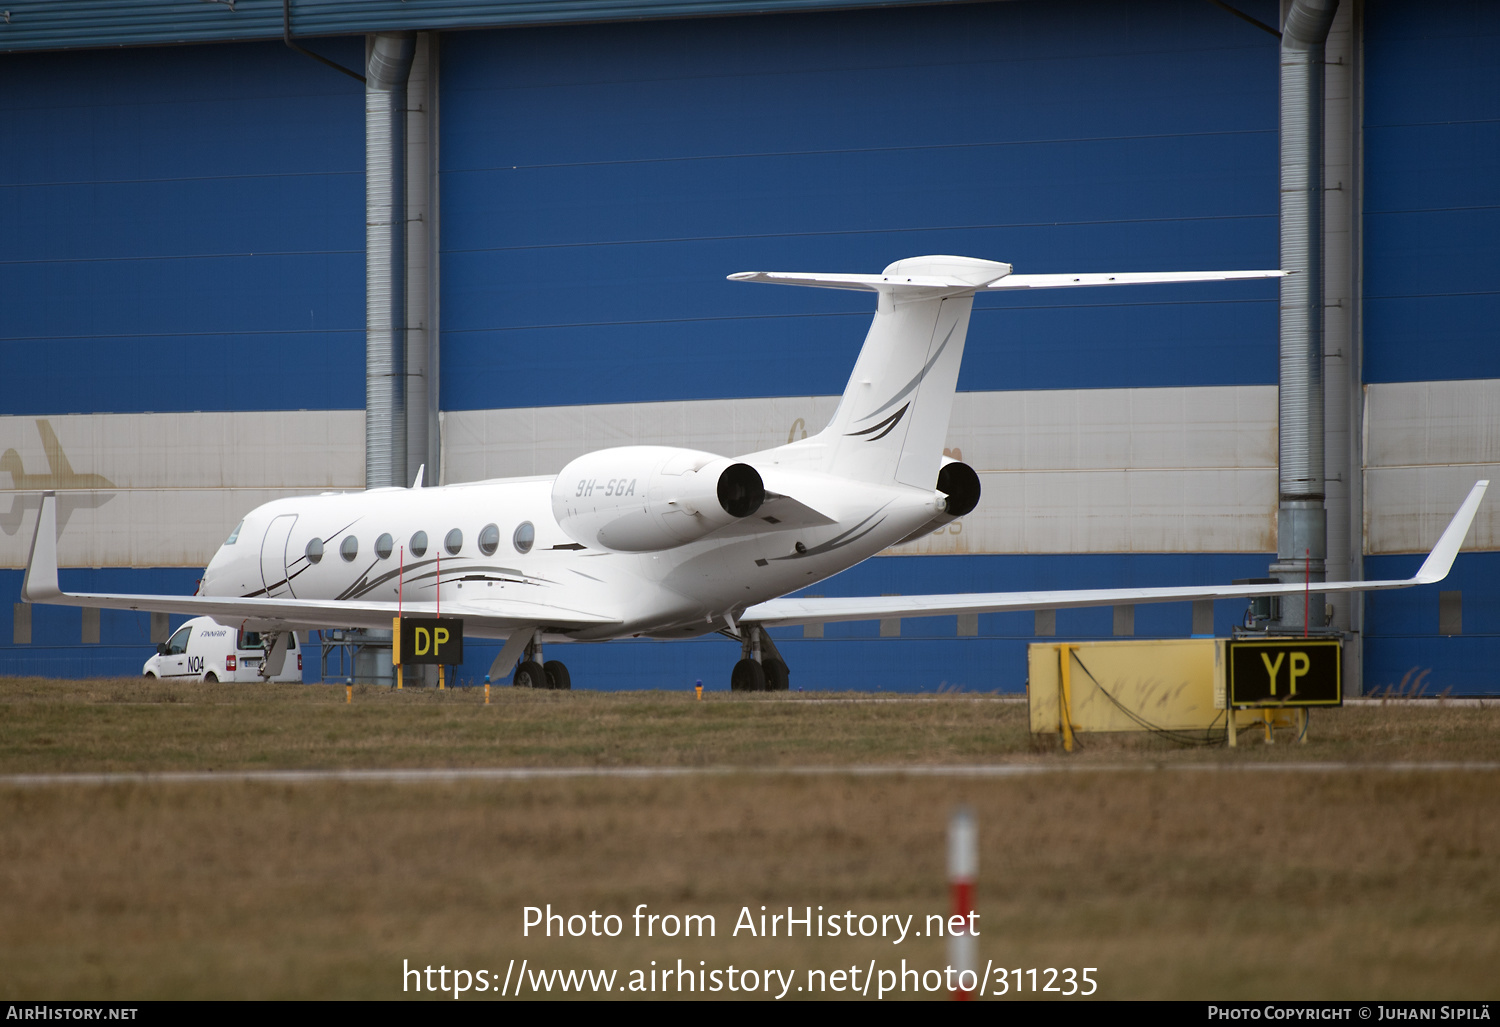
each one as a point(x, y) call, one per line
point(205, 650)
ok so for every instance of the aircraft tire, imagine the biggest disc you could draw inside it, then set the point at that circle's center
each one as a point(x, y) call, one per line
point(530, 675)
point(778, 675)
point(557, 675)
point(747, 676)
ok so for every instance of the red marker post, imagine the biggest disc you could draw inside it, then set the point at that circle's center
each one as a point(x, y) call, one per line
point(396, 648)
point(963, 868)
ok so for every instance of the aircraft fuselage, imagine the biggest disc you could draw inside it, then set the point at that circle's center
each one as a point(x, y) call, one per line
point(467, 544)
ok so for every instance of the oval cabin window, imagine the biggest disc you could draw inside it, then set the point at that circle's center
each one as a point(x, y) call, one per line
point(489, 539)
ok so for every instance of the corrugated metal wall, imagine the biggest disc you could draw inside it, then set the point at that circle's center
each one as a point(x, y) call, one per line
point(598, 183)
point(181, 229)
point(1431, 267)
point(1062, 471)
point(181, 233)
point(181, 252)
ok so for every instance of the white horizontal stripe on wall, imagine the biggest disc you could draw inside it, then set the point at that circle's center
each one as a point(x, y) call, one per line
point(1069, 471)
point(1425, 445)
point(1066, 471)
point(164, 490)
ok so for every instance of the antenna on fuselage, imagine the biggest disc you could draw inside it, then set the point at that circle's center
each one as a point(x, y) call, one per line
point(417, 482)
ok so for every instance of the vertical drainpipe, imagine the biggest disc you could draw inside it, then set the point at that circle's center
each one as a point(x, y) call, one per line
point(1301, 520)
point(421, 271)
point(1341, 339)
point(434, 263)
point(387, 65)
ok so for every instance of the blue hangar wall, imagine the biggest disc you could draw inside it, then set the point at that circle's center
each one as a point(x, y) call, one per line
point(182, 232)
point(1431, 300)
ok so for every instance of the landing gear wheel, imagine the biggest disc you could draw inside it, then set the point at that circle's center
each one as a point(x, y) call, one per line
point(557, 676)
point(530, 675)
point(778, 677)
point(747, 676)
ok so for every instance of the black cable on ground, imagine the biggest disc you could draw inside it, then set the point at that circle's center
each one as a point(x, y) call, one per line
point(1155, 729)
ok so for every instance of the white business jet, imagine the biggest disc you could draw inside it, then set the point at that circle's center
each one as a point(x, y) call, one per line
point(651, 541)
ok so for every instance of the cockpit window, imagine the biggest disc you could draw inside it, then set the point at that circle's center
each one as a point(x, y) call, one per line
point(235, 534)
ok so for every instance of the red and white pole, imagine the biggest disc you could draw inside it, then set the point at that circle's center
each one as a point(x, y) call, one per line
point(963, 868)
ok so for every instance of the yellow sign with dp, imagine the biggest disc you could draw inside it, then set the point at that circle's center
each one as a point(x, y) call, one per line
point(428, 640)
point(1285, 672)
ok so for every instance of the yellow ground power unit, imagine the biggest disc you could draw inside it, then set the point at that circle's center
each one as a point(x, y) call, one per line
point(1182, 688)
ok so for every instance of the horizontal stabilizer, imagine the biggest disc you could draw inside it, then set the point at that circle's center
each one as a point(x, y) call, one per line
point(864, 283)
point(1123, 278)
point(990, 279)
point(788, 611)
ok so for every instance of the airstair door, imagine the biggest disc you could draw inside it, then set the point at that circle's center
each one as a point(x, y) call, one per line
point(273, 556)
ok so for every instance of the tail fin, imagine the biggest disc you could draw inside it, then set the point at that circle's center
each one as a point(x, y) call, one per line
point(892, 422)
point(893, 419)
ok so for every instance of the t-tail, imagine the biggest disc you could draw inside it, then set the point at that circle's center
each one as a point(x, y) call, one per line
point(892, 421)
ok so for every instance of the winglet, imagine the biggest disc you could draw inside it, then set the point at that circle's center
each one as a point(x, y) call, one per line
point(1435, 567)
point(40, 584)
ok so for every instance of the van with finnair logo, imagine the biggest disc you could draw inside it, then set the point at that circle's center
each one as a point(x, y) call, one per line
point(205, 650)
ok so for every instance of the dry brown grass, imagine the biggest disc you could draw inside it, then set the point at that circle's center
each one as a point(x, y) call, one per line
point(1173, 885)
point(134, 724)
point(1338, 884)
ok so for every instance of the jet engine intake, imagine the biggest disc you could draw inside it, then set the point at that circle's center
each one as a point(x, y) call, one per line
point(641, 499)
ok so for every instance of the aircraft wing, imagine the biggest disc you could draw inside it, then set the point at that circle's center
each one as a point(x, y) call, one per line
point(788, 611)
point(484, 618)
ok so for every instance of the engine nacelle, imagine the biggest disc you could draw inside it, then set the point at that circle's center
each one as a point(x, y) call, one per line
point(640, 499)
point(959, 482)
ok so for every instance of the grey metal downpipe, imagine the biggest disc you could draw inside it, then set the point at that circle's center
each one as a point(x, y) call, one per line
point(386, 71)
point(1301, 520)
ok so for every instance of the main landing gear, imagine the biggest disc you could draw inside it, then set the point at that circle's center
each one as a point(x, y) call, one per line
point(761, 668)
point(531, 672)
